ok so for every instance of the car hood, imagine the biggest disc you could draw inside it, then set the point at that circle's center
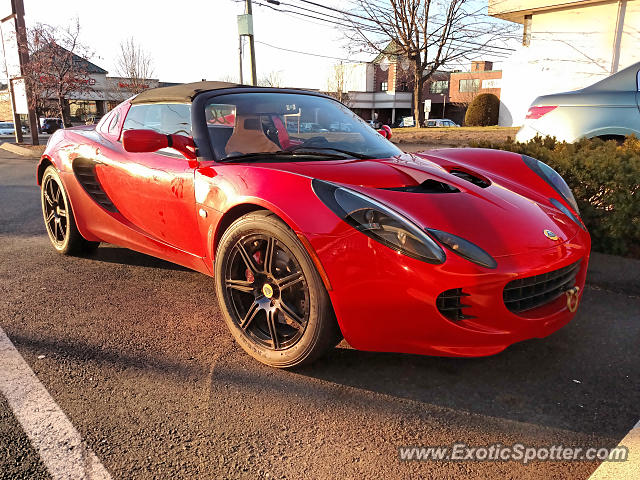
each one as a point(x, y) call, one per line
point(497, 219)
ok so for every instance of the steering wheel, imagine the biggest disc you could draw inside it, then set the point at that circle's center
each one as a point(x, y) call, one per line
point(315, 142)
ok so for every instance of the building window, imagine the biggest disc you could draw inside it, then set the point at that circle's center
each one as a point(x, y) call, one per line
point(440, 86)
point(383, 86)
point(404, 87)
point(470, 85)
point(526, 34)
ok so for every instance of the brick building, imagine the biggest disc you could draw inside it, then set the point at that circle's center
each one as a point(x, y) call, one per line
point(465, 86)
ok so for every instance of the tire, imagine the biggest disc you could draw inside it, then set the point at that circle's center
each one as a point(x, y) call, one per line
point(281, 294)
point(58, 217)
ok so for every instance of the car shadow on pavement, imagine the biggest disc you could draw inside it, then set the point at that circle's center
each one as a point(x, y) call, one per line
point(581, 379)
point(124, 256)
point(78, 351)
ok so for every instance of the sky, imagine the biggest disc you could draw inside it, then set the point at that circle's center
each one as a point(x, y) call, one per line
point(191, 40)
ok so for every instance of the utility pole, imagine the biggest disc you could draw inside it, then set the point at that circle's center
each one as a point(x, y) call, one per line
point(23, 51)
point(240, 56)
point(252, 48)
point(245, 29)
point(15, 55)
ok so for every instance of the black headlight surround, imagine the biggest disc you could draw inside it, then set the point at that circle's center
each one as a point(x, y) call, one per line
point(554, 179)
point(567, 212)
point(368, 207)
point(464, 248)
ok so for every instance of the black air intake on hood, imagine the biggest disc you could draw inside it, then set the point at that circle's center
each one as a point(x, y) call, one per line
point(470, 177)
point(428, 186)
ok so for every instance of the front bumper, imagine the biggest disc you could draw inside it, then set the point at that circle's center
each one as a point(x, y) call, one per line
point(386, 301)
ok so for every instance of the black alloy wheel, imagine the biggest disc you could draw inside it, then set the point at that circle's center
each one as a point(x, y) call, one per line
point(54, 208)
point(270, 293)
point(58, 217)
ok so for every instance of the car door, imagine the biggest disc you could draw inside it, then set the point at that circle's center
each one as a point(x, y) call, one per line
point(155, 191)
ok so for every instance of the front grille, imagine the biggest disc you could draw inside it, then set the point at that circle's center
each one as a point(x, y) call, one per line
point(450, 304)
point(532, 292)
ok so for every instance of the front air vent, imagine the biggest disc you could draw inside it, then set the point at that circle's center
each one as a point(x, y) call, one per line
point(428, 186)
point(470, 177)
point(450, 304)
point(85, 172)
point(531, 292)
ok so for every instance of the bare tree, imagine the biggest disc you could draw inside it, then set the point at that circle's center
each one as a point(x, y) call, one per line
point(429, 33)
point(338, 83)
point(272, 79)
point(57, 66)
point(135, 65)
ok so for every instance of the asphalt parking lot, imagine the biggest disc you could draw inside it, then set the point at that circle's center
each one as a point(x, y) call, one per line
point(134, 351)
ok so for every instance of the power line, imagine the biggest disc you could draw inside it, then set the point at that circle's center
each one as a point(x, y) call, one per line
point(310, 54)
point(375, 30)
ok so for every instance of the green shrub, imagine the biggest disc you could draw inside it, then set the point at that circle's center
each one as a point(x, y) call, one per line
point(605, 179)
point(483, 111)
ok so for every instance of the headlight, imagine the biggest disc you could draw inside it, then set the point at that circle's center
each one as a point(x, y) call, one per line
point(553, 178)
point(464, 248)
point(379, 222)
point(566, 211)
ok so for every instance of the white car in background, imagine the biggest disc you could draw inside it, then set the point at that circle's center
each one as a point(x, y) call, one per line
point(608, 109)
point(7, 128)
point(440, 122)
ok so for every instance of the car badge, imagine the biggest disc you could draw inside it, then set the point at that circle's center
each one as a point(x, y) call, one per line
point(267, 290)
point(550, 235)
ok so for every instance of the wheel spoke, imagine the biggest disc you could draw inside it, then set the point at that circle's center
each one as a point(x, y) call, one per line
point(248, 318)
point(271, 322)
point(47, 197)
point(293, 319)
point(240, 285)
point(290, 280)
point(50, 191)
point(49, 217)
point(269, 253)
point(55, 229)
point(247, 258)
point(63, 228)
point(57, 195)
point(62, 213)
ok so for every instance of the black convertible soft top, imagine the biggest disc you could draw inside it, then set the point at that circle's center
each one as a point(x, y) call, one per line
point(180, 93)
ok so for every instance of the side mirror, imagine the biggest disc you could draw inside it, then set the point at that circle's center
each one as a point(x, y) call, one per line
point(385, 131)
point(146, 141)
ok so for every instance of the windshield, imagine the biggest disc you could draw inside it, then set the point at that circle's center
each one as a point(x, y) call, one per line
point(288, 126)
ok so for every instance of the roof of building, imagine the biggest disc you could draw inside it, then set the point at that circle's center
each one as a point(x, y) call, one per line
point(183, 93)
point(77, 60)
point(393, 49)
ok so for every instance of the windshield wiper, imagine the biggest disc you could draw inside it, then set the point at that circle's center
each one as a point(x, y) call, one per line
point(310, 148)
point(266, 156)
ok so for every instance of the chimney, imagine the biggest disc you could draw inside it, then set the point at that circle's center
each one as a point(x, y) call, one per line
point(481, 66)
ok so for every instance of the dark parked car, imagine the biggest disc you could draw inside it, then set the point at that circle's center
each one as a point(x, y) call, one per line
point(50, 125)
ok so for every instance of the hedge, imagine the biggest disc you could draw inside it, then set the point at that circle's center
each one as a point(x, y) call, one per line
point(483, 111)
point(605, 179)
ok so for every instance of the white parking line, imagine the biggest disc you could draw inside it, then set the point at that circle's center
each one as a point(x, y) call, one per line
point(629, 470)
point(57, 441)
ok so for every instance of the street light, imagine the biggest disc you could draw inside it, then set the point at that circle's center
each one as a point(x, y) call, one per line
point(444, 104)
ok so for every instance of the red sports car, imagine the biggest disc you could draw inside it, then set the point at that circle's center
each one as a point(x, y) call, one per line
point(315, 234)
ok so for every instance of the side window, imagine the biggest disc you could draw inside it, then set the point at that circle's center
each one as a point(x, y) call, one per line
point(167, 118)
point(113, 123)
point(639, 80)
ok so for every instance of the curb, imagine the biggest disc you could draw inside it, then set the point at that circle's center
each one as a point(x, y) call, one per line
point(622, 470)
point(17, 149)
